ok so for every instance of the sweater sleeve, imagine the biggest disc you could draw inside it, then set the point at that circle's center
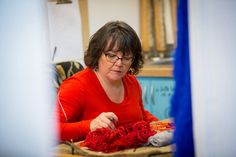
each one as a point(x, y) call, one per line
point(69, 106)
point(149, 117)
point(76, 131)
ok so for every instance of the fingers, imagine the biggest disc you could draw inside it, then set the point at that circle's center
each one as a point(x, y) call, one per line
point(111, 116)
point(107, 122)
point(104, 120)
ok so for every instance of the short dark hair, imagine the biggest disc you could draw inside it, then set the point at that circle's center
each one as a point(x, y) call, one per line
point(115, 33)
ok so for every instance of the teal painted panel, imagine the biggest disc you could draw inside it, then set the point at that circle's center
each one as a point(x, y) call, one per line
point(145, 85)
point(157, 93)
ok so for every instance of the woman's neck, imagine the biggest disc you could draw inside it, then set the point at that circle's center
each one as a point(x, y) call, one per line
point(113, 89)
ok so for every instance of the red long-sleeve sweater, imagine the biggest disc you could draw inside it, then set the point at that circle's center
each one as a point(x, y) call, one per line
point(81, 98)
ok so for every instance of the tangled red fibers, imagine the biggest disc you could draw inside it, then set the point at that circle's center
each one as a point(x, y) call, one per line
point(125, 137)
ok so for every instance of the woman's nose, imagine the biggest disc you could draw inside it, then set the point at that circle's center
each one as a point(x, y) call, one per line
point(119, 62)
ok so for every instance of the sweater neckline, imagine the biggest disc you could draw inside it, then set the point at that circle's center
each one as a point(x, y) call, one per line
point(105, 94)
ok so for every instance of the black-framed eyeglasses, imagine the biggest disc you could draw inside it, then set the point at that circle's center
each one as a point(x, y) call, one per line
point(114, 58)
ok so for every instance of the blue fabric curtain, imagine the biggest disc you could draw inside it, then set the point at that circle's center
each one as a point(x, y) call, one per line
point(181, 107)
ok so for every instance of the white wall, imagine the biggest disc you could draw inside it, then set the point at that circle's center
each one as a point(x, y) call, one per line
point(65, 23)
point(65, 31)
point(102, 11)
point(25, 94)
point(212, 55)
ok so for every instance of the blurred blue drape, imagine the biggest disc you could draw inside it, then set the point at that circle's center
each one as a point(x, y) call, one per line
point(181, 106)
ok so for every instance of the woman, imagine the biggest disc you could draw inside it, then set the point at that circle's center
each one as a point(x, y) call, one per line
point(106, 93)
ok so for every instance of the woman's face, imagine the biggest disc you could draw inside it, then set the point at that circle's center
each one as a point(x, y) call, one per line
point(113, 65)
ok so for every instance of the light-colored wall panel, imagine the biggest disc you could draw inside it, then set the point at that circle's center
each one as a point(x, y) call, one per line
point(102, 11)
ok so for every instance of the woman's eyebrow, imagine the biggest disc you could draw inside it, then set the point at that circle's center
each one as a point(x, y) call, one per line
point(127, 54)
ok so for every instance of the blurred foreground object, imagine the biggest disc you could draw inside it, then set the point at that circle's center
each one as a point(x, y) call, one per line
point(25, 96)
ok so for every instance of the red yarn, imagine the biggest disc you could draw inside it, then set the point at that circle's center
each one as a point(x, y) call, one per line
point(129, 136)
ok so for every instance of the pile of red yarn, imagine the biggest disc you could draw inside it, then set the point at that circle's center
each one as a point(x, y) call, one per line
point(129, 136)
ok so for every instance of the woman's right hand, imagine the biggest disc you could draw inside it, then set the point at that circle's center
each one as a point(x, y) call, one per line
point(104, 120)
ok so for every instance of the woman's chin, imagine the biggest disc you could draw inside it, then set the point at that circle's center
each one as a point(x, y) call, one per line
point(116, 77)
